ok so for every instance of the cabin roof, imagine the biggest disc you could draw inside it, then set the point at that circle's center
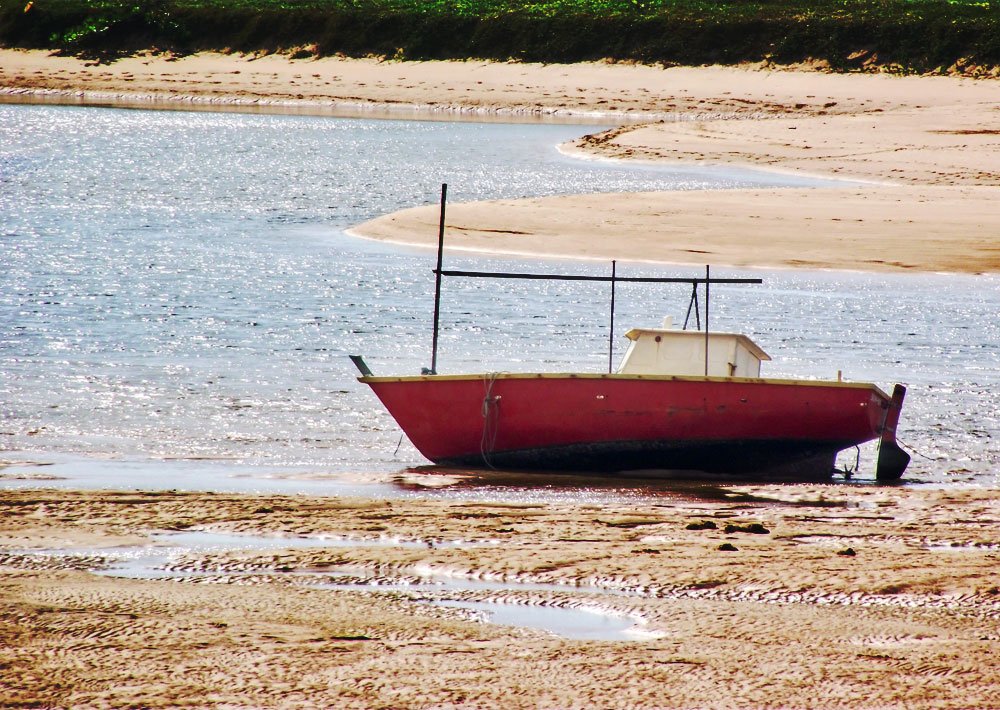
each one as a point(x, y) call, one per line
point(743, 340)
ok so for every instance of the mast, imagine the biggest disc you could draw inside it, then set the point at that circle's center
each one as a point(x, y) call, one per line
point(708, 281)
point(611, 330)
point(437, 282)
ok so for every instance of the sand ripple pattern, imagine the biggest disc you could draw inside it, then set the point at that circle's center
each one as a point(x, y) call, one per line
point(299, 601)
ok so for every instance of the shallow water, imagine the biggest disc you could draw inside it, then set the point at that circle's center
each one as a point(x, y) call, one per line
point(581, 624)
point(173, 556)
point(178, 297)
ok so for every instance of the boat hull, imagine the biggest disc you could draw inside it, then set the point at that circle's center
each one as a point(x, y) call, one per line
point(574, 422)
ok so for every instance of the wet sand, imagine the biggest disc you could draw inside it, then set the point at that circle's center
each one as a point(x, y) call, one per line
point(789, 618)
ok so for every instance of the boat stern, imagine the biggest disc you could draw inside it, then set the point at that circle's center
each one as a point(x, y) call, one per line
point(892, 460)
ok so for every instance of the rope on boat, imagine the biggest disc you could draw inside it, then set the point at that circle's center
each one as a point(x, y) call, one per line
point(491, 419)
point(914, 450)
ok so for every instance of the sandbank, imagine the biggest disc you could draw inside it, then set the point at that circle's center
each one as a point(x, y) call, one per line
point(835, 595)
point(919, 187)
point(931, 229)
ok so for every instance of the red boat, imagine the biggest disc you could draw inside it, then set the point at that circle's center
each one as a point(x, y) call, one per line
point(629, 422)
point(688, 401)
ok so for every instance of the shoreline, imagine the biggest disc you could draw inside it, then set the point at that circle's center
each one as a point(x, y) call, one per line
point(906, 146)
point(592, 92)
point(294, 107)
point(573, 150)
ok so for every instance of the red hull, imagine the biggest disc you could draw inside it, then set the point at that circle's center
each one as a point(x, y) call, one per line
point(628, 422)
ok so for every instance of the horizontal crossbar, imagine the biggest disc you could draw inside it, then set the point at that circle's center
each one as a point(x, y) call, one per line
point(581, 277)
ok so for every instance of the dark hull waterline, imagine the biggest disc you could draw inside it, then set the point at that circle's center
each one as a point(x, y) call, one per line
point(620, 423)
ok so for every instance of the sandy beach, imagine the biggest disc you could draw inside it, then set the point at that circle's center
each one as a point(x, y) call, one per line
point(737, 595)
point(606, 92)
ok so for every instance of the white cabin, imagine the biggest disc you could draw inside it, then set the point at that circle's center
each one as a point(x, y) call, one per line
point(665, 351)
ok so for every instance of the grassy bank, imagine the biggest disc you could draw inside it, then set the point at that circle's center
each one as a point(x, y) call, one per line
point(907, 35)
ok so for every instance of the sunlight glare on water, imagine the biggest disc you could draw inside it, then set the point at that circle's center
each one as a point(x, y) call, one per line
point(179, 285)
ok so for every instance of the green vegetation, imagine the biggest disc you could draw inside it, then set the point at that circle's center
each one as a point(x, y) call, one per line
point(906, 35)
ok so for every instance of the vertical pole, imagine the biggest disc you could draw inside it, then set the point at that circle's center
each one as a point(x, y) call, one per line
point(437, 281)
point(611, 335)
point(707, 287)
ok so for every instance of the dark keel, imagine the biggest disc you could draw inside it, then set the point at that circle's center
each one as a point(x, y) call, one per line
point(805, 461)
point(892, 461)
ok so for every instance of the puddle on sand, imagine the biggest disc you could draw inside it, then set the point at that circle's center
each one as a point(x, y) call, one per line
point(579, 624)
point(211, 540)
point(444, 581)
point(157, 561)
point(153, 561)
point(969, 546)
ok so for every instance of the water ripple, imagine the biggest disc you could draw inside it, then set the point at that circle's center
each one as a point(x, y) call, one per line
point(178, 285)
